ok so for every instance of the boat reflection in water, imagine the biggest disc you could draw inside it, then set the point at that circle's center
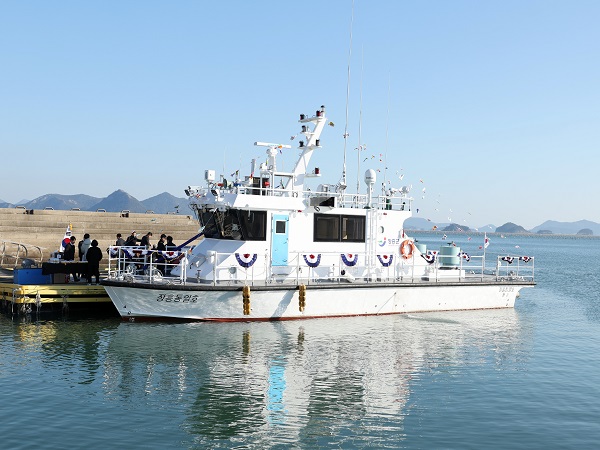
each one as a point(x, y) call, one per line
point(302, 382)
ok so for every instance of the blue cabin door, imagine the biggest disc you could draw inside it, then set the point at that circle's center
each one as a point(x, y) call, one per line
point(279, 239)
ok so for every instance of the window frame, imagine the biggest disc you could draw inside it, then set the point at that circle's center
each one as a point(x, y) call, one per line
point(339, 228)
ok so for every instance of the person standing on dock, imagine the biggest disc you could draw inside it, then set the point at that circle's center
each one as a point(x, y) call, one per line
point(93, 256)
point(69, 255)
point(69, 252)
point(84, 246)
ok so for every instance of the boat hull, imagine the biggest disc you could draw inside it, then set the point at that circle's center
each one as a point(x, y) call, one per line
point(226, 303)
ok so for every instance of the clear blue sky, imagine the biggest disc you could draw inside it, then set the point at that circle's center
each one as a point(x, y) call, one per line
point(494, 105)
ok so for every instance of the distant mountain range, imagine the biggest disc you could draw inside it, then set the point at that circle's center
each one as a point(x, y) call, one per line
point(166, 203)
point(116, 202)
point(581, 227)
point(568, 227)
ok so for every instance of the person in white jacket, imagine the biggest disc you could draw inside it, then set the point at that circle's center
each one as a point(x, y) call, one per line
point(85, 245)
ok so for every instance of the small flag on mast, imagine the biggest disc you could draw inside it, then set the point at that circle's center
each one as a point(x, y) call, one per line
point(486, 242)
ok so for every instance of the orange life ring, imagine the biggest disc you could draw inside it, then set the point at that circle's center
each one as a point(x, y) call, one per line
point(407, 249)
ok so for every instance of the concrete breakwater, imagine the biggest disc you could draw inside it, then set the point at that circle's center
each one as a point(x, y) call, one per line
point(41, 231)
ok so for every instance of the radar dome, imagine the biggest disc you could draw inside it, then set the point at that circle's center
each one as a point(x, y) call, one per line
point(370, 177)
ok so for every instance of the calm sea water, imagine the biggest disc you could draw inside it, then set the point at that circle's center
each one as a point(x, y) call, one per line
point(524, 378)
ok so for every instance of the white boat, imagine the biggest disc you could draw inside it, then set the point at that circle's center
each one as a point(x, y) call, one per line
point(274, 249)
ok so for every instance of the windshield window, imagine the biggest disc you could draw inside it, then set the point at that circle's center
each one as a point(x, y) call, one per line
point(234, 224)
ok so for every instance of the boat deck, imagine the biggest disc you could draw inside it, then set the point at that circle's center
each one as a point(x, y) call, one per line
point(174, 284)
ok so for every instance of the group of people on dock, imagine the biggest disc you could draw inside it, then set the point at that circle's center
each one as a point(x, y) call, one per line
point(88, 252)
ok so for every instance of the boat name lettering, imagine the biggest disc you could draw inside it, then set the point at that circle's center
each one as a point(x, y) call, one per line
point(177, 298)
point(394, 241)
point(506, 289)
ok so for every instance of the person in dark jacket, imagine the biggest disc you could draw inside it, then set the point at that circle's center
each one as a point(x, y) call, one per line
point(69, 251)
point(93, 256)
point(171, 246)
point(161, 247)
point(146, 240)
point(132, 240)
point(69, 255)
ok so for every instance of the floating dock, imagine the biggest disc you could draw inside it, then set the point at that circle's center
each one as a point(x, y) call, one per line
point(35, 298)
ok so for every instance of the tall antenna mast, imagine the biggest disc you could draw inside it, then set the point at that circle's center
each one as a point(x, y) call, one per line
point(387, 128)
point(358, 150)
point(344, 184)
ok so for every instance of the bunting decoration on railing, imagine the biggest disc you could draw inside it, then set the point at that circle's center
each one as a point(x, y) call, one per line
point(246, 259)
point(169, 254)
point(465, 256)
point(312, 260)
point(349, 259)
point(131, 253)
point(508, 259)
point(430, 256)
point(525, 259)
point(385, 260)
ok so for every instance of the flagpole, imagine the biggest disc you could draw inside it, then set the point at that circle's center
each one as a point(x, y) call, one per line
point(484, 247)
point(484, 239)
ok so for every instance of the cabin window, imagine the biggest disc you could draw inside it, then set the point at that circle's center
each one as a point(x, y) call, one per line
point(253, 225)
point(207, 220)
point(280, 226)
point(337, 228)
point(327, 228)
point(234, 224)
point(353, 228)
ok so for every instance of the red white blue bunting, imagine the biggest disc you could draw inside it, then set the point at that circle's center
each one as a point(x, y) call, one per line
point(465, 256)
point(385, 260)
point(246, 259)
point(510, 259)
point(312, 260)
point(135, 253)
point(350, 259)
point(430, 256)
point(169, 255)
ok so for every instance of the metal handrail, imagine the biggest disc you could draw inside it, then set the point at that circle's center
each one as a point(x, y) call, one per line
point(10, 254)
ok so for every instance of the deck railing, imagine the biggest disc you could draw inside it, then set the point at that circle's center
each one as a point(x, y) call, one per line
point(397, 200)
point(141, 264)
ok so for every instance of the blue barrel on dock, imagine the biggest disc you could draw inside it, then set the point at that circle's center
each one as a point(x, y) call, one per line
point(449, 256)
point(31, 276)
